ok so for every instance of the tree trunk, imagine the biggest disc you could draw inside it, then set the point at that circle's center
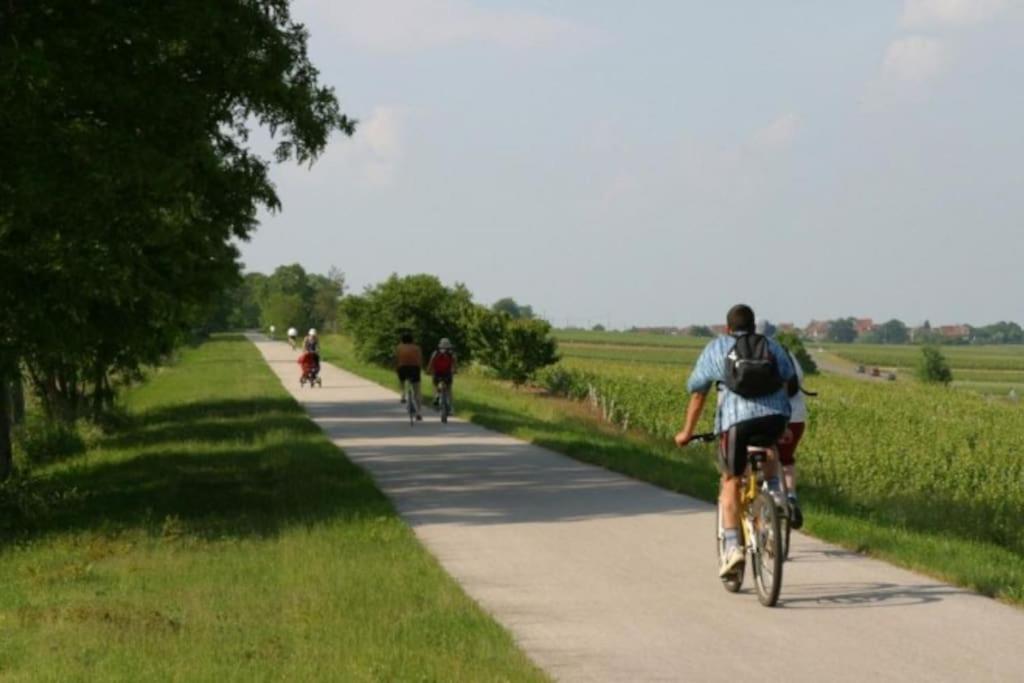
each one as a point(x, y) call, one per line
point(18, 399)
point(6, 449)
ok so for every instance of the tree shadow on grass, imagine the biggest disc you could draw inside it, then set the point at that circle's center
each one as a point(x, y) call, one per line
point(294, 478)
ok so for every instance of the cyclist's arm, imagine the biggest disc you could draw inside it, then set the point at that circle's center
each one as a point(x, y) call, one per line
point(430, 363)
point(706, 371)
point(693, 410)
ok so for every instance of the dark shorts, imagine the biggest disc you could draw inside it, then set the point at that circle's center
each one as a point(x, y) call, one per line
point(410, 373)
point(446, 377)
point(732, 446)
point(787, 451)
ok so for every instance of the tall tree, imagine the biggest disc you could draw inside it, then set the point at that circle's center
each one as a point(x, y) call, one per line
point(127, 178)
point(842, 330)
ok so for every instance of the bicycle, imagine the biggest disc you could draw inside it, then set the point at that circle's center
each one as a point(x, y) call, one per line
point(444, 395)
point(410, 401)
point(762, 537)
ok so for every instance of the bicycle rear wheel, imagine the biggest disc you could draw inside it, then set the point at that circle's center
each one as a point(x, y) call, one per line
point(410, 402)
point(766, 549)
point(732, 581)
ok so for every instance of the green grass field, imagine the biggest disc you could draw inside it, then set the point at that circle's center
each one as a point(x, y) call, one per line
point(220, 536)
point(927, 478)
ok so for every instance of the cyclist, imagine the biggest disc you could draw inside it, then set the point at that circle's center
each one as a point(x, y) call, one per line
point(293, 336)
point(791, 439)
point(750, 371)
point(311, 345)
point(442, 366)
point(408, 361)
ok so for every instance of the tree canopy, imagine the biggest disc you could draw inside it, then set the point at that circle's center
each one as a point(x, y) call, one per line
point(127, 177)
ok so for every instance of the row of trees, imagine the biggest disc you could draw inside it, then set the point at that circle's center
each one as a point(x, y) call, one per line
point(844, 330)
point(505, 337)
point(127, 179)
point(288, 297)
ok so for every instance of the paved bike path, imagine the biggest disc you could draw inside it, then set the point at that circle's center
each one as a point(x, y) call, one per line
point(604, 578)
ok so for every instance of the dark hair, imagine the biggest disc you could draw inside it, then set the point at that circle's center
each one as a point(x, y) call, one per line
point(406, 338)
point(740, 318)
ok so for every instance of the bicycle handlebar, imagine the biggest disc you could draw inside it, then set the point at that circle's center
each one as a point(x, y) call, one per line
point(706, 437)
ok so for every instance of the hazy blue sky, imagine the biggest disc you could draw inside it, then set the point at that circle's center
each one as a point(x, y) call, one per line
point(655, 162)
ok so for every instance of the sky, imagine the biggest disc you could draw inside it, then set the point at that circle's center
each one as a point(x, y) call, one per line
point(653, 163)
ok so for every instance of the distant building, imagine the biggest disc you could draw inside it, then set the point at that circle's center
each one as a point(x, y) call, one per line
point(817, 330)
point(786, 327)
point(719, 329)
point(864, 325)
point(954, 332)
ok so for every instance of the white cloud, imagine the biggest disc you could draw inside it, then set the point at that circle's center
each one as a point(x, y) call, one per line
point(914, 59)
point(399, 26)
point(951, 13)
point(778, 134)
point(370, 159)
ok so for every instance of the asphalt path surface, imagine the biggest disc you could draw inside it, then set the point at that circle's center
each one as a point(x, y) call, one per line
point(604, 578)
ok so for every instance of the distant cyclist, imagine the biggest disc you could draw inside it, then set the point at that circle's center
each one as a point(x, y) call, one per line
point(750, 371)
point(409, 361)
point(443, 366)
point(293, 337)
point(311, 345)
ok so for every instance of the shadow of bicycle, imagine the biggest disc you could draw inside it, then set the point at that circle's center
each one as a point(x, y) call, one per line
point(860, 595)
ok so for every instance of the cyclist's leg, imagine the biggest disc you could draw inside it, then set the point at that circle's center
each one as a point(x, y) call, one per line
point(787, 455)
point(401, 381)
point(732, 461)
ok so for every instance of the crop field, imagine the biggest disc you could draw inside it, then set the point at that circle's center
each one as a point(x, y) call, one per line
point(1003, 357)
point(928, 458)
point(629, 339)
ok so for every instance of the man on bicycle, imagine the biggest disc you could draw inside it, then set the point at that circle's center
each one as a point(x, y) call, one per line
point(408, 361)
point(442, 367)
point(751, 371)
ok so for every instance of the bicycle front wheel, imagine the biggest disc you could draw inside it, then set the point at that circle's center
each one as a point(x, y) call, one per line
point(767, 549)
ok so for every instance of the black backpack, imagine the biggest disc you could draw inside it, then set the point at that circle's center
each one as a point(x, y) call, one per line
point(750, 368)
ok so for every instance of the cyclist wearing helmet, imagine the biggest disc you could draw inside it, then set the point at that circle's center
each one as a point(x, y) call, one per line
point(293, 336)
point(311, 345)
point(442, 366)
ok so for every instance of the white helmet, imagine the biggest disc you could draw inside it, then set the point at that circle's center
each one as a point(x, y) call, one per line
point(312, 332)
point(444, 344)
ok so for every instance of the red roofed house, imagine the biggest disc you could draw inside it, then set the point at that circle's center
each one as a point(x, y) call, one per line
point(961, 332)
point(817, 330)
point(863, 325)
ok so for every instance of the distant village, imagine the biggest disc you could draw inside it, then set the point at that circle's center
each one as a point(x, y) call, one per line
point(846, 330)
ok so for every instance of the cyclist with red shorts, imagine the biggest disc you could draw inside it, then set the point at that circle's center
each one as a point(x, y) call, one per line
point(789, 441)
point(442, 366)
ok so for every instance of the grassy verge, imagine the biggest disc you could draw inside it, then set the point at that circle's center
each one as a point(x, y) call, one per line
point(570, 428)
point(221, 536)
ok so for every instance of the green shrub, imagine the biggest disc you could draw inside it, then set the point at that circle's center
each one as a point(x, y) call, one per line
point(515, 348)
point(792, 343)
point(418, 304)
point(932, 367)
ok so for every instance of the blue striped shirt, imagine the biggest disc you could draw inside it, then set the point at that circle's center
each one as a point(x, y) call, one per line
point(733, 408)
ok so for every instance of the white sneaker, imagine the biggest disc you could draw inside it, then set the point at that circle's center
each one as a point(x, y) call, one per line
point(733, 557)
